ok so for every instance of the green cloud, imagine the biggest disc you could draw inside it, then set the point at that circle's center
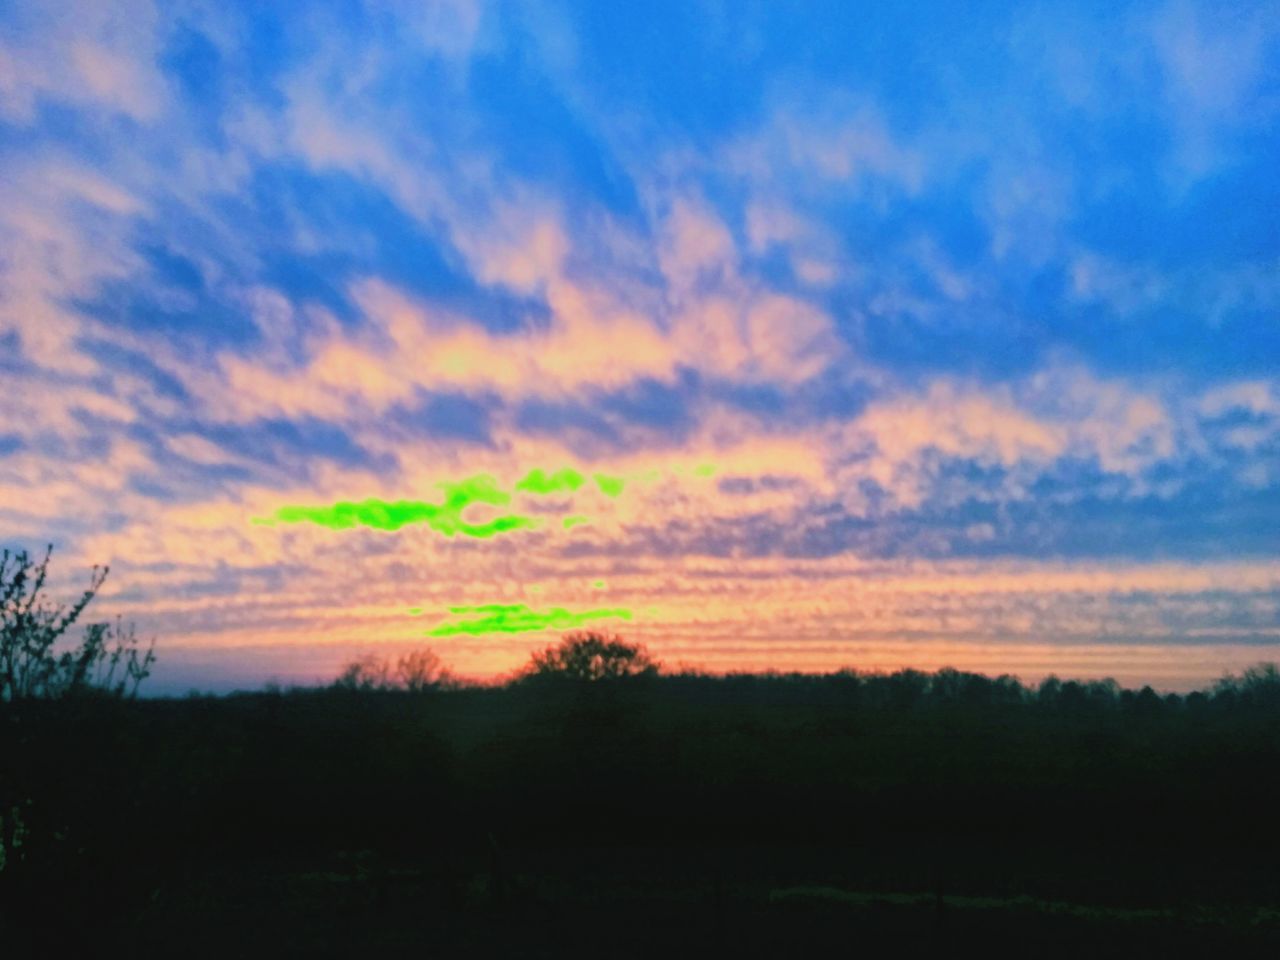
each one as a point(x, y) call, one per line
point(609, 486)
point(444, 518)
point(539, 481)
point(519, 618)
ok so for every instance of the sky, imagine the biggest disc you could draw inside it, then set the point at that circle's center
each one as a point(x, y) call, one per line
point(785, 336)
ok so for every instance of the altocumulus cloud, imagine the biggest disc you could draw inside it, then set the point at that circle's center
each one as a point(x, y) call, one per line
point(812, 358)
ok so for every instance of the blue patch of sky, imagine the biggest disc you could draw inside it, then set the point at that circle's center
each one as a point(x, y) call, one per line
point(1235, 417)
point(764, 400)
point(652, 404)
point(1142, 529)
point(162, 490)
point(451, 416)
point(540, 135)
point(197, 68)
point(271, 42)
point(697, 70)
point(833, 395)
point(566, 421)
point(1223, 216)
point(116, 358)
point(10, 355)
point(1214, 223)
point(661, 60)
point(169, 297)
point(181, 478)
point(71, 449)
point(74, 130)
point(365, 234)
point(959, 340)
point(1245, 343)
point(290, 443)
point(137, 305)
point(1239, 527)
point(887, 50)
point(1073, 510)
point(172, 269)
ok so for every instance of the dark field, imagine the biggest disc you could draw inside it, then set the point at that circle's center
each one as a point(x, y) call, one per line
point(759, 816)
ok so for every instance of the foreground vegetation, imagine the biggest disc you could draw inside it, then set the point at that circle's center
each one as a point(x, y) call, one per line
point(605, 810)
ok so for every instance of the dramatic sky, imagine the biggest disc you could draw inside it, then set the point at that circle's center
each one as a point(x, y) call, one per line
point(801, 334)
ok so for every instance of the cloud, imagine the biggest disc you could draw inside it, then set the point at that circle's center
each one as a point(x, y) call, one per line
point(407, 346)
point(102, 58)
point(843, 141)
point(937, 330)
point(1213, 63)
point(592, 342)
point(1255, 396)
point(1213, 296)
point(450, 28)
point(64, 228)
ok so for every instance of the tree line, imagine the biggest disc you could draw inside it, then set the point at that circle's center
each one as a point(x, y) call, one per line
point(39, 661)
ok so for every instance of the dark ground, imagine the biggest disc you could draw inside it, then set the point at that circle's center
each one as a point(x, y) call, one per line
point(749, 816)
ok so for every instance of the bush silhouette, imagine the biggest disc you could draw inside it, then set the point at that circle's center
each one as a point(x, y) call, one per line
point(33, 664)
point(592, 656)
point(49, 819)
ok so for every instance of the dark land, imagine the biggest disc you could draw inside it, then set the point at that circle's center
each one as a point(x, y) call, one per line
point(777, 815)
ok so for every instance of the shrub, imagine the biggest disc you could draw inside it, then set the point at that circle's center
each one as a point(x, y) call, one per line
point(35, 663)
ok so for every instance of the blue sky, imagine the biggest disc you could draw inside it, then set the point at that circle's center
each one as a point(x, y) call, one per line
point(976, 314)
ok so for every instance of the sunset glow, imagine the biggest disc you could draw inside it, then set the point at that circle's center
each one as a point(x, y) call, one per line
point(796, 340)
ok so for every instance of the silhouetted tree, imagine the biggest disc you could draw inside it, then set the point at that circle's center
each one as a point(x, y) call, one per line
point(34, 665)
point(1049, 691)
point(421, 670)
point(1259, 687)
point(417, 671)
point(368, 672)
point(592, 656)
point(906, 688)
point(1262, 685)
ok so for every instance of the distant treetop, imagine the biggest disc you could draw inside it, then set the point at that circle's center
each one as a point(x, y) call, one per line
point(592, 656)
